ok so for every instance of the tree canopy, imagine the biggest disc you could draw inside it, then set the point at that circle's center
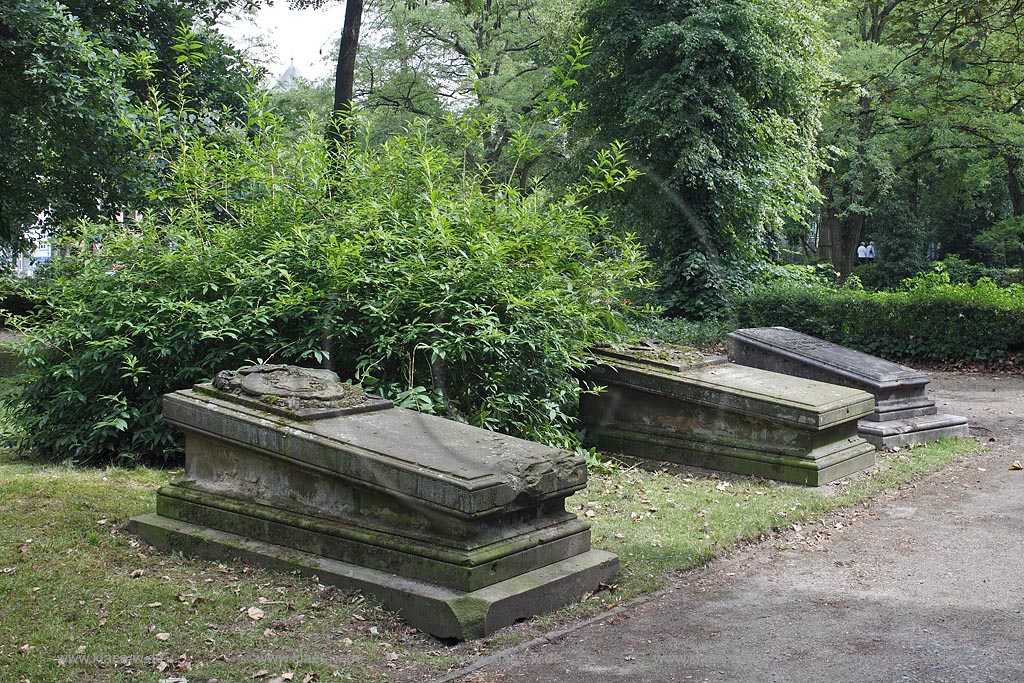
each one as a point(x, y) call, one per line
point(720, 105)
point(71, 77)
point(925, 124)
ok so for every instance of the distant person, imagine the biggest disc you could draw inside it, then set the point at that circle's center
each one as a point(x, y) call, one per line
point(862, 253)
point(871, 252)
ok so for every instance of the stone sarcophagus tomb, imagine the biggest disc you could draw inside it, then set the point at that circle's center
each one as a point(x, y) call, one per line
point(664, 403)
point(460, 530)
point(903, 413)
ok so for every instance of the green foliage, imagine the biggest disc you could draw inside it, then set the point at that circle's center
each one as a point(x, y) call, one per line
point(73, 74)
point(719, 103)
point(18, 296)
point(925, 128)
point(707, 334)
point(930, 319)
point(1004, 240)
point(506, 60)
point(961, 271)
point(402, 266)
point(875, 277)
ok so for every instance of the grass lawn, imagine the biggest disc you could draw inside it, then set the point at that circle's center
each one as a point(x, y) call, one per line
point(84, 600)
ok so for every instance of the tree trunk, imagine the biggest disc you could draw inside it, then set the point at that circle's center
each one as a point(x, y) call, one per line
point(828, 229)
point(345, 74)
point(1014, 185)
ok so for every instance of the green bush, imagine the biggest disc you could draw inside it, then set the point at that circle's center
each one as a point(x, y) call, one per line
point(18, 296)
point(883, 276)
point(404, 267)
point(705, 334)
point(930, 319)
point(962, 271)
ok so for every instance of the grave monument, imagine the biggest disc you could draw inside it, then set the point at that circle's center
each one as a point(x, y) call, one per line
point(665, 403)
point(459, 530)
point(903, 413)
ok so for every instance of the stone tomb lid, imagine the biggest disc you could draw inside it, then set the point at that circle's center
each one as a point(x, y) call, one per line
point(779, 398)
point(464, 469)
point(858, 366)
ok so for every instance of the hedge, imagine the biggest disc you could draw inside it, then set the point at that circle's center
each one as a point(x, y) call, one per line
point(931, 319)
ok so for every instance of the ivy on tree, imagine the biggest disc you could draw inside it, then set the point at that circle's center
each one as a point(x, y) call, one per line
point(720, 103)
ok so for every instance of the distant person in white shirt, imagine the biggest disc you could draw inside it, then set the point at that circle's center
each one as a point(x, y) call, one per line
point(871, 252)
point(862, 253)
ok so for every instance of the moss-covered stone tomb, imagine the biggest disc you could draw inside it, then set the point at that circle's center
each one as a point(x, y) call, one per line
point(460, 530)
point(903, 413)
point(665, 403)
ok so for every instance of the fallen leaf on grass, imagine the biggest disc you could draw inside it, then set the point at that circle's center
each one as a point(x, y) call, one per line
point(136, 574)
point(255, 613)
point(163, 636)
point(1016, 465)
point(289, 622)
point(262, 673)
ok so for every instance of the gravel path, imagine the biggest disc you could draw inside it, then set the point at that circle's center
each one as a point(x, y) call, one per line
point(923, 585)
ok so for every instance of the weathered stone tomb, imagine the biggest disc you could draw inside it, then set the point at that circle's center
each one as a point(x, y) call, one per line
point(664, 403)
point(460, 530)
point(903, 413)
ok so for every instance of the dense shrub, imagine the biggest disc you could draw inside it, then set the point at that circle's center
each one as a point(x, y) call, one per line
point(403, 267)
point(705, 334)
point(18, 296)
point(872, 277)
point(881, 276)
point(930, 319)
point(962, 271)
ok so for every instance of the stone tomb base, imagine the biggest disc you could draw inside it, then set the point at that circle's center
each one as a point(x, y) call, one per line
point(913, 430)
point(440, 611)
point(702, 411)
point(459, 530)
point(903, 414)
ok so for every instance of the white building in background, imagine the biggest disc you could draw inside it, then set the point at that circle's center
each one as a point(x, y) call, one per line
point(25, 264)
